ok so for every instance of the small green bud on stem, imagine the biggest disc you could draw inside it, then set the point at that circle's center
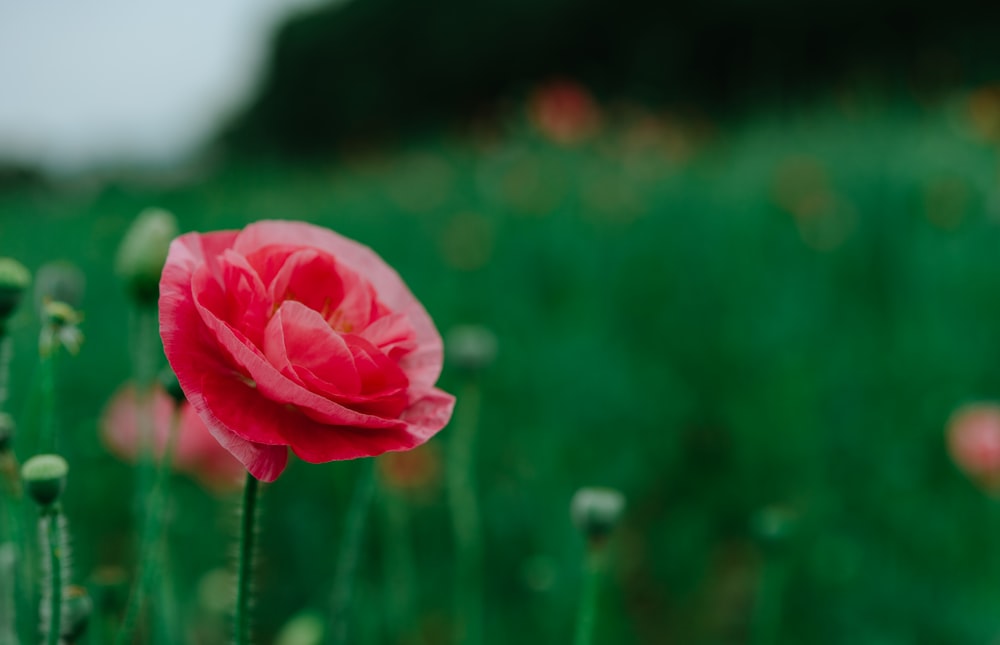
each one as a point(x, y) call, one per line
point(45, 478)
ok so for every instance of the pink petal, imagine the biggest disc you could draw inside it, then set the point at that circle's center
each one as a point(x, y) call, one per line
point(422, 366)
point(298, 340)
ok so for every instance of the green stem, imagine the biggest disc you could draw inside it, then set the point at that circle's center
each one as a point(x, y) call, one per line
point(766, 622)
point(150, 557)
point(465, 519)
point(587, 617)
point(244, 564)
point(5, 356)
point(350, 550)
point(399, 565)
point(47, 439)
point(55, 564)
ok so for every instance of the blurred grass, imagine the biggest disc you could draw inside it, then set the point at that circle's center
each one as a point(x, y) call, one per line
point(710, 318)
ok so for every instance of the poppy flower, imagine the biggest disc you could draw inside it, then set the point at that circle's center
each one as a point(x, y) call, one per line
point(287, 336)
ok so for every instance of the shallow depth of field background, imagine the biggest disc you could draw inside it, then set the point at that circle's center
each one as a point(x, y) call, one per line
point(759, 270)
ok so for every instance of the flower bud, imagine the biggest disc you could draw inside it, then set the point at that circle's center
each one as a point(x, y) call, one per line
point(14, 279)
point(76, 611)
point(596, 511)
point(143, 252)
point(45, 478)
point(471, 347)
point(7, 428)
point(60, 281)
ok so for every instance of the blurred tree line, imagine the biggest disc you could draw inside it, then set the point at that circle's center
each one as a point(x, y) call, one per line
point(374, 67)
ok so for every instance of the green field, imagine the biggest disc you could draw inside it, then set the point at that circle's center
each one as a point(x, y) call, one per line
point(712, 318)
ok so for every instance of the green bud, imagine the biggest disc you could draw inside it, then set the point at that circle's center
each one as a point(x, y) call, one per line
point(596, 511)
point(45, 478)
point(14, 279)
point(471, 347)
point(77, 608)
point(143, 252)
point(7, 428)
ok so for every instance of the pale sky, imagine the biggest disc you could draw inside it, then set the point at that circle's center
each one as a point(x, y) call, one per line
point(90, 83)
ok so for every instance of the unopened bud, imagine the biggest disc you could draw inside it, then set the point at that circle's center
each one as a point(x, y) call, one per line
point(471, 347)
point(45, 478)
point(596, 511)
point(77, 608)
point(143, 252)
point(60, 328)
point(14, 279)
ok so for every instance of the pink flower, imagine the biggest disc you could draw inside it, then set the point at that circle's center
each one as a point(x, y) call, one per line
point(974, 442)
point(195, 451)
point(287, 335)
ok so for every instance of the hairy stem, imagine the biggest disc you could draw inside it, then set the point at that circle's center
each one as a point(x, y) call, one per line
point(244, 565)
point(55, 564)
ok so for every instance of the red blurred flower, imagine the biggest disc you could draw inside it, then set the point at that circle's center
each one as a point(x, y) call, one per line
point(564, 111)
point(974, 442)
point(287, 335)
point(195, 451)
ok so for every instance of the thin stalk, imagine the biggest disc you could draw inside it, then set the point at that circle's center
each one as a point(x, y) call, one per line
point(350, 550)
point(8, 607)
point(151, 545)
point(468, 593)
point(244, 566)
point(766, 621)
point(54, 565)
point(5, 357)
point(47, 424)
point(587, 616)
point(400, 570)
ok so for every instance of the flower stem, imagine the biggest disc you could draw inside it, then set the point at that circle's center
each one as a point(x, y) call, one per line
point(47, 367)
point(399, 565)
point(244, 566)
point(54, 564)
point(350, 550)
point(465, 519)
point(593, 572)
point(150, 556)
point(766, 621)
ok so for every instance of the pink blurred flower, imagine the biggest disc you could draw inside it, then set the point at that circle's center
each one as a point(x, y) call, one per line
point(973, 437)
point(287, 335)
point(195, 451)
point(564, 111)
